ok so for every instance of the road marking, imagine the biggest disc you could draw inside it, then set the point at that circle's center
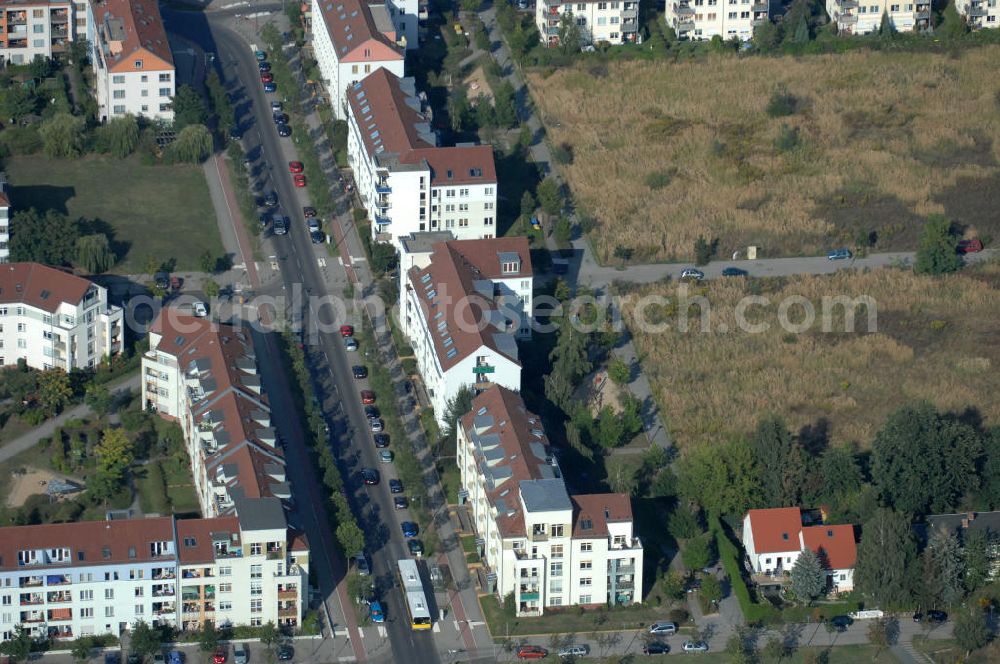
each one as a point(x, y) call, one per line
point(357, 260)
point(456, 625)
point(321, 261)
point(382, 632)
point(347, 658)
point(437, 627)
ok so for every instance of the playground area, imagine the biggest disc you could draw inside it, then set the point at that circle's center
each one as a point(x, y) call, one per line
point(27, 482)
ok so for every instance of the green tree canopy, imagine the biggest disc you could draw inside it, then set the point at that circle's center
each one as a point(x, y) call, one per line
point(49, 239)
point(189, 108)
point(971, 630)
point(885, 558)
point(54, 390)
point(123, 135)
point(721, 478)
point(942, 583)
point(699, 552)
point(989, 490)
point(94, 254)
point(457, 406)
point(208, 637)
point(549, 196)
point(570, 37)
point(505, 105)
point(618, 371)
point(808, 578)
point(63, 136)
point(952, 24)
point(193, 144)
point(527, 204)
point(936, 252)
point(115, 454)
point(923, 461)
point(976, 558)
point(350, 537)
point(144, 641)
point(780, 462)
point(17, 101)
point(18, 646)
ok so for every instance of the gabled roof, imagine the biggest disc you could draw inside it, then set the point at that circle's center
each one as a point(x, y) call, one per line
point(593, 512)
point(350, 25)
point(776, 530)
point(127, 28)
point(196, 538)
point(459, 165)
point(113, 542)
point(834, 545)
point(40, 286)
point(456, 297)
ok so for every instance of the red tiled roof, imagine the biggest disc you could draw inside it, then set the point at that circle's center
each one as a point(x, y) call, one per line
point(835, 544)
point(350, 26)
point(144, 30)
point(454, 268)
point(125, 541)
point(40, 286)
point(514, 424)
point(776, 530)
point(388, 126)
point(297, 540)
point(599, 509)
point(201, 531)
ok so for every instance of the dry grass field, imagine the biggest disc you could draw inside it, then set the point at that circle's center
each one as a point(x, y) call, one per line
point(936, 339)
point(883, 139)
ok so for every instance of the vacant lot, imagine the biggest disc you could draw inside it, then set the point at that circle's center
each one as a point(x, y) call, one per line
point(873, 142)
point(936, 339)
point(164, 211)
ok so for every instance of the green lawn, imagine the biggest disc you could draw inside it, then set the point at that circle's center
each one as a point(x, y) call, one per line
point(568, 620)
point(164, 211)
point(853, 654)
point(945, 651)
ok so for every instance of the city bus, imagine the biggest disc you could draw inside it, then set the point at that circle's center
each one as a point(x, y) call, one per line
point(416, 600)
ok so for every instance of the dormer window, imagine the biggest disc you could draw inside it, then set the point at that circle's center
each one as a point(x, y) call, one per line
point(511, 267)
point(138, 64)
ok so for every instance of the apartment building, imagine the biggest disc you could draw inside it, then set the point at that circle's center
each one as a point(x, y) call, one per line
point(463, 305)
point(4, 219)
point(133, 65)
point(350, 40)
point(704, 19)
point(979, 13)
point(69, 580)
point(30, 28)
point(204, 376)
point(854, 17)
point(407, 183)
point(548, 548)
point(248, 569)
point(55, 320)
point(610, 21)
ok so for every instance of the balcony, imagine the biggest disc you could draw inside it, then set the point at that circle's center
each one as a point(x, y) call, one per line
point(275, 555)
point(191, 607)
point(159, 574)
point(684, 25)
point(163, 592)
point(60, 632)
point(922, 15)
point(847, 19)
point(288, 595)
point(381, 220)
point(759, 8)
point(632, 12)
point(59, 597)
point(290, 612)
point(530, 596)
point(31, 582)
point(58, 580)
point(32, 617)
point(383, 189)
point(17, 18)
point(28, 600)
point(623, 585)
point(552, 31)
point(539, 536)
point(60, 614)
point(625, 570)
point(553, 3)
point(59, 15)
point(20, 31)
point(683, 10)
point(976, 11)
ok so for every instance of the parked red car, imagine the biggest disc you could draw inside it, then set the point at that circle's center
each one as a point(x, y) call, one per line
point(219, 656)
point(295, 167)
point(367, 397)
point(299, 180)
point(532, 652)
point(972, 246)
point(267, 77)
point(346, 331)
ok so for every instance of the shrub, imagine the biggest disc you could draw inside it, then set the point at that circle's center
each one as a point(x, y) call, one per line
point(658, 179)
point(788, 139)
point(782, 103)
point(679, 616)
point(563, 153)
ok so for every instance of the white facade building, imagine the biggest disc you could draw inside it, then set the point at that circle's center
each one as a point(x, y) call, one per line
point(858, 17)
point(979, 13)
point(611, 21)
point(204, 376)
point(133, 65)
point(4, 220)
point(405, 181)
point(773, 539)
point(30, 28)
point(704, 19)
point(352, 39)
point(53, 319)
point(463, 305)
point(546, 547)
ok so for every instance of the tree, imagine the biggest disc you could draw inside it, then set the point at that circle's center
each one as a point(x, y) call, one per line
point(549, 196)
point(18, 646)
point(564, 230)
point(144, 640)
point(952, 24)
point(699, 552)
point(976, 559)
point(885, 556)
point(711, 588)
point(683, 523)
point(123, 135)
point(619, 372)
point(80, 648)
point(971, 630)
point(210, 288)
point(943, 571)
point(801, 34)
point(50, 239)
point(505, 105)
point(220, 102)
point(881, 634)
point(41, 67)
point(189, 108)
point(54, 390)
point(63, 136)
point(989, 491)
point(99, 399)
point(722, 478)
point(383, 257)
point(457, 406)
point(841, 474)
point(886, 30)
point(16, 102)
point(780, 462)
point(115, 453)
point(570, 363)
point(207, 261)
point(702, 251)
point(351, 537)
point(208, 637)
point(79, 52)
point(776, 648)
point(94, 254)
point(459, 108)
point(922, 461)
point(766, 36)
point(570, 36)
point(527, 204)
point(192, 145)
point(936, 251)
point(808, 578)
point(268, 634)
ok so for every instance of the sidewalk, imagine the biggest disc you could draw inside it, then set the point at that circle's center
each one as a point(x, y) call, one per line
point(125, 384)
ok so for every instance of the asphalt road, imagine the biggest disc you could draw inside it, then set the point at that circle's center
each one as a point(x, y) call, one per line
point(300, 273)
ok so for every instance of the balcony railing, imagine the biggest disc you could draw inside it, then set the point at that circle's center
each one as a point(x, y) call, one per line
point(34, 599)
point(683, 10)
point(31, 582)
point(383, 189)
point(382, 221)
point(552, 31)
point(288, 594)
point(976, 10)
point(759, 7)
point(624, 570)
point(684, 25)
point(288, 613)
point(847, 19)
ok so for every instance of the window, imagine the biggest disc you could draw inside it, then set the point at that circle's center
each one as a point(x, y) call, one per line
point(137, 64)
point(225, 587)
point(489, 191)
point(557, 531)
point(144, 108)
point(256, 589)
point(555, 569)
point(138, 591)
point(145, 78)
point(555, 601)
point(601, 20)
point(38, 13)
point(164, 108)
point(586, 546)
point(585, 581)
point(556, 551)
point(86, 595)
point(463, 207)
point(256, 571)
point(164, 78)
point(87, 612)
point(109, 593)
point(463, 192)
point(555, 586)
point(22, 343)
point(487, 221)
point(586, 564)
point(38, 29)
point(144, 93)
point(615, 20)
point(255, 549)
point(19, 311)
point(225, 606)
point(731, 16)
point(138, 609)
point(354, 69)
point(255, 605)
point(585, 599)
point(164, 92)
point(119, 110)
point(109, 612)
point(463, 223)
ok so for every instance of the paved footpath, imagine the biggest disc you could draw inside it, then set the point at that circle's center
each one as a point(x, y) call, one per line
point(128, 383)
